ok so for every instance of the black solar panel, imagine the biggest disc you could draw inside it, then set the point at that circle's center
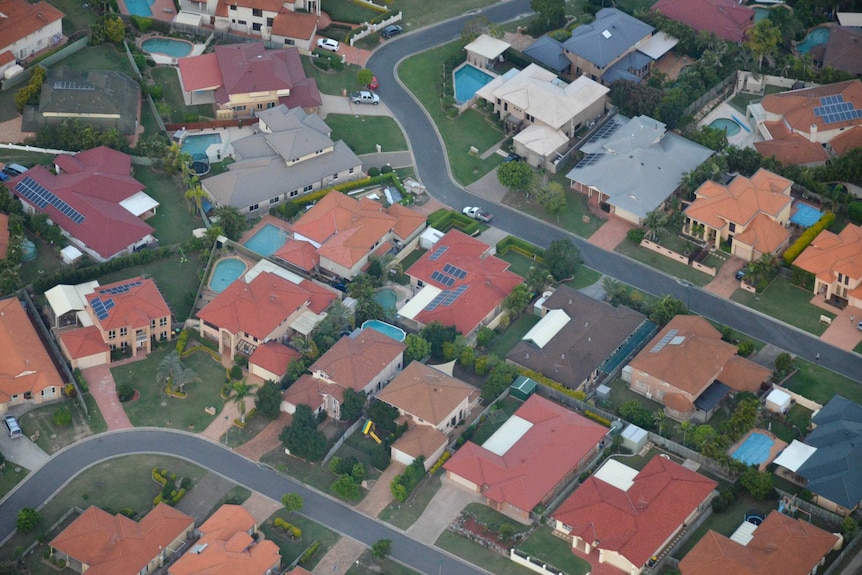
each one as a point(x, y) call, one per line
point(589, 160)
point(446, 297)
point(35, 193)
point(606, 131)
point(63, 85)
point(437, 253)
point(454, 271)
point(101, 307)
point(444, 279)
point(122, 288)
point(834, 109)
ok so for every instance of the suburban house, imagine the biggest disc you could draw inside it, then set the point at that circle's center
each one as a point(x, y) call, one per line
point(576, 337)
point(798, 125)
point(290, 156)
point(836, 262)
point(689, 369)
point(432, 403)
point(262, 307)
point(102, 98)
point(126, 315)
point(242, 80)
point(340, 233)
point(228, 544)
point(543, 112)
point(727, 19)
point(842, 50)
point(99, 543)
point(630, 516)
point(528, 460)
point(27, 373)
point(270, 360)
point(94, 200)
point(829, 462)
point(632, 166)
point(26, 29)
point(484, 51)
point(752, 214)
point(4, 235)
point(548, 52)
point(365, 360)
point(781, 544)
point(457, 283)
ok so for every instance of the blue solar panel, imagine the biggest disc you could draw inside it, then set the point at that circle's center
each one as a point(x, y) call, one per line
point(40, 197)
point(437, 253)
point(834, 109)
point(122, 288)
point(454, 271)
point(446, 297)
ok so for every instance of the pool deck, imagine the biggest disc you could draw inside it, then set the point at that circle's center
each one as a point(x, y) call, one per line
point(744, 139)
point(162, 10)
point(777, 446)
point(267, 219)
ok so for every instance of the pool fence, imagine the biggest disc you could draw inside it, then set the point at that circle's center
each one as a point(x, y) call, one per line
point(710, 95)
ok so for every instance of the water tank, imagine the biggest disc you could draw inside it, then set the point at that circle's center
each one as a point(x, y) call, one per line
point(28, 251)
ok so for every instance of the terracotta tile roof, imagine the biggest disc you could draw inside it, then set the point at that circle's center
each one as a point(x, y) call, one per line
point(134, 306)
point(421, 440)
point(21, 19)
point(200, 72)
point(536, 463)
point(846, 141)
point(299, 253)
point(409, 220)
point(797, 106)
point(724, 18)
point(4, 235)
point(295, 25)
point(843, 50)
point(678, 402)
point(742, 374)
point(777, 129)
point(230, 549)
point(830, 254)
point(740, 201)
point(113, 544)
point(25, 365)
point(6, 57)
point(355, 361)
point(273, 357)
point(636, 522)
point(764, 234)
point(427, 393)
point(83, 342)
point(488, 281)
point(794, 149)
point(306, 390)
point(298, 571)
point(781, 545)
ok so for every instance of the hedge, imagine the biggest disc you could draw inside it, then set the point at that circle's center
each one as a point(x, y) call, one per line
point(443, 459)
point(297, 204)
point(791, 253)
point(309, 553)
point(444, 220)
point(182, 340)
point(597, 418)
point(176, 495)
point(294, 531)
point(548, 382)
point(525, 248)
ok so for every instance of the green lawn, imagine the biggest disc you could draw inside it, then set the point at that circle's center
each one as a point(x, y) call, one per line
point(367, 564)
point(101, 57)
point(311, 474)
point(47, 260)
point(727, 522)
point(478, 555)
point(485, 430)
point(52, 438)
point(786, 302)
point(167, 77)
point(571, 219)
point(554, 551)
point(332, 82)
point(78, 15)
point(521, 264)
point(173, 220)
point(10, 476)
point(148, 120)
point(504, 343)
point(403, 515)
point(493, 519)
point(664, 264)
point(363, 133)
point(419, 14)
point(421, 74)
point(347, 11)
point(311, 532)
point(412, 258)
point(155, 408)
point(236, 436)
point(820, 384)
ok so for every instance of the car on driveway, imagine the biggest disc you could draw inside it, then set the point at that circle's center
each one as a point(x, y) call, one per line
point(391, 30)
point(327, 44)
point(12, 427)
point(364, 97)
point(740, 274)
point(859, 326)
point(512, 157)
point(477, 213)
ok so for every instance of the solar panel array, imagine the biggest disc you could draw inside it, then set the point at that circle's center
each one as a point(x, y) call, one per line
point(454, 271)
point(36, 193)
point(606, 131)
point(63, 85)
point(446, 297)
point(834, 109)
point(122, 288)
point(444, 279)
point(589, 160)
point(437, 253)
point(664, 341)
point(101, 307)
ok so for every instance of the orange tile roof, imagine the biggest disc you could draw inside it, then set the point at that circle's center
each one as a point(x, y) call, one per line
point(21, 19)
point(637, 522)
point(797, 106)
point(295, 25)
point(743, 375)
point(794, 149)
point(846, 141)
point(134, 306)
point(200, 72)
point(115, 544)
point(724, 18)
point(84, 342)
point(299, 253)
point(427, 393)
point(306, 390)
point(764, 234)
point(533, 467)
point(421, 441)
point(25, 365)
point(778, 129)
point(781, 545)
point(229, 548)
point(4, 235)
point(298, 571)
point(273, 357)
point(830, 254)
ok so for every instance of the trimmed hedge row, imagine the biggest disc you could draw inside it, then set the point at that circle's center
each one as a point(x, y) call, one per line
point(309, 553)
point(597, 418)
point(294, 531)
point(444, 220)
point(443, 459)
point(525, 248)
point(548, 382)
point(791, 253)
point(182, 341)
point(293, 207)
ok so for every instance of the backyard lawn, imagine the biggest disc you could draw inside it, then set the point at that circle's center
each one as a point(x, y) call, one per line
point(332, 82)
point(100, 57)
point(363, 133)
point(820, 384)
point(52, 437)
point(541, 544)
point(311, 532)
point(403, 515)
point(77, 15)
point(504, 343)
point(786, 302)
point(173, 220)
point(155, 408)
point(495, 419)
point(347, 11)
point(167, 77)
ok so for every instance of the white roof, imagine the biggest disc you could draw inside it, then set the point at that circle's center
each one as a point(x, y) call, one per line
point(487, 46)
point(508, 435)
point(188, 18)
point(267, 266)
point(853, 19)
point(744, 533)
point(617, 474)
point(139, 203)
point(659, 45)
point(432, 235)
point(306, 322)
point(633, 432)
point(541, 139)
point(547, 328)
point(778, 397)
point(65, 298)
point(794, 455)
point(71, 252)
point(412, 308)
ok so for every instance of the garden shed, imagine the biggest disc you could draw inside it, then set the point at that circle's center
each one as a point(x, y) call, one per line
point(634, 438)
point(522, 388)
point(778, 401)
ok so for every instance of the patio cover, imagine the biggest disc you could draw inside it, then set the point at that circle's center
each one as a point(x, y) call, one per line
point(306, 322)
point(659, 45)
point(139, 203)
point(188, 18)
point(712, 396)
point(547, 328)
point(269, 267)
point(794, 455)
point(487, 46)
point(412, 308)
point(852, 19)
point(541, 139)
point(65, 298)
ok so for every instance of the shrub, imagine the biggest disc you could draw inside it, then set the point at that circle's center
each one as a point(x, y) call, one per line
point(525, 248)
point(373, 172)
point(791, 253)
point(292, 530)
point(597, 418)
point(443, 459)
point(62, 417)
point(745, 348)
point(28, 518)
point(82, 381)
point(404, 484)
point(309, 553)
point(240, 360)
point(126, 392)
point(380, 457)
point(70, 390)
point(636, 235)
point(236, 372)
point(182, 341)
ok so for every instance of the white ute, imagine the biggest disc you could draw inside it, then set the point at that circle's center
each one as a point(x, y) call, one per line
point(364, 97)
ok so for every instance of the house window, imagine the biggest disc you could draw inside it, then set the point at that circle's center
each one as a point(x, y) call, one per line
point(153, 324)
point(163, 322)
point(273, 201)
point(269, 22)
point(239, 108)
point(124, 331)
point(294, 193)
point(732, 227)
point(253, 208)
point(256, 26)
point(47, 392)
point(28, 395)
point(350, 171)
point(308, 188)
point(112, 334)
point(233, 7)
point(260, 106)
point(288, 42)
point(256, 12)
point(335, 176)
point(124, 344)
point(241, 22)
point(113, 346)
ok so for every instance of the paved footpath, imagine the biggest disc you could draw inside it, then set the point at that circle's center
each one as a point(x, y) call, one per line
point(265, 441)
point(104, 391)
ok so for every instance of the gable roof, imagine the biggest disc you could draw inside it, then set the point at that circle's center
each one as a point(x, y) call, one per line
point(830, 254)
point(847, 141)
point(797, 107)
point(22, 19)
point(843, 50)
point(134, 302)
point(781, 545)
point(83, 342)
point(487, 46)
point(725, 18)
point(549, 52)
point(426, 393)
point(793, 149)
point(273, 356)
point(612, 34)
point(637, 521)
point(295, 25)
point(554, 441)
point(112, 544)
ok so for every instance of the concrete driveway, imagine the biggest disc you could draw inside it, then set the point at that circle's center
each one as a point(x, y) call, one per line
point(22, 452)
point(443, 508)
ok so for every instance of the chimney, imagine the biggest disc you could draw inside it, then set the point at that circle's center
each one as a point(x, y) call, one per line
point(813, 131)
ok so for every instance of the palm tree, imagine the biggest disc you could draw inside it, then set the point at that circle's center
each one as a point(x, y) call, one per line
point(185, 376)
point(658, 417)
point(654, 221)
point(196, 194)
point(305, 345)
point(241, 390)
point(685, 426)
point(168, 369)
point(340, 315)
point(538, 278)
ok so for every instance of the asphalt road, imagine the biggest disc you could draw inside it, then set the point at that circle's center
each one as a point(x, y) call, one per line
point(433, 170)
point(46, 481)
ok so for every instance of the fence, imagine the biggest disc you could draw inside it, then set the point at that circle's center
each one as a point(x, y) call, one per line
point(347, 433)
point(63, 52)
point(850, 550)
point(373, 28)
point(34, 149)
point(677, 257)
point(210, 124)
point(710, 95)
point(807, 507)
point(223, 35)
point(533, 564)
point(803, 401)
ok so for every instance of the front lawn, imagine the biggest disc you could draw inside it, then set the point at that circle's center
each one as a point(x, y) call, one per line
point(521, 264)
point(572, 219)
point(820, 384)
point(367, 564)
point(419, 14)
point(311, 532)
point(542, 545)
point(10, 476)
point(236, 436)
point(662, 263)
point(493, 519)
point(363, 133)
point(347, 11)
point(168, 78)
point(478, 555)
point(154, 408)
point(788, 303)
point(310, 474)
point(403, 515)
point(332, 82)
point(52, 437)
point(173, 221)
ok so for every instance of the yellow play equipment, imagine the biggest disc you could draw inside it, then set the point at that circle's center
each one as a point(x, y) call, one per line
point(368, 429)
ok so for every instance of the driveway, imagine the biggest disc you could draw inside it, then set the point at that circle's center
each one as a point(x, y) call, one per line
point(380, 494)
point(442, 510)
point(342, 105)
point(725, 283)
point(104, 391)
point(612, 233)
point(22, 452)
point(488, 187)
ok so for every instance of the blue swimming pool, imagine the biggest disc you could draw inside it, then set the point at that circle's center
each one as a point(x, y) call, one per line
point(225, 273)
point(805, 216)
point(386, 297)
point(730, 127)
point(168, 46)
point(814, 38)
point(267, 240)
point(139, 7)
point(198, 143)
point(468, 81)
point(754, 450)
point(395, 333)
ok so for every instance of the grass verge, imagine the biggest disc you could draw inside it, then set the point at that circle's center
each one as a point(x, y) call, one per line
point(786, 302)
point(367, 564)
point(10, 476)
point(541, 544)
point(662, 263)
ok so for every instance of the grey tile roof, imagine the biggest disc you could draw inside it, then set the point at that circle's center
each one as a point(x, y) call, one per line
point(611, 35)
point(549, 52)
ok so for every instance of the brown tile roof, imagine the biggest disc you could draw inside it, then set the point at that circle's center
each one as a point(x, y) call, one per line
point(740, 201)
point(843, 50)
point(724, 18)
point(21, 19)
point(536, 463)
point(781, 545)
point(230, 550)
point(25, 366)
point(134, 306)
point(847, 141)
point(273, 357)
point(777, 129)
point(427, 393)
point(797, 106)
point(307, 390)
point(637, 522)
point(794, 149)
point(742, 374)
point(421, 441)
point(830, 254)
point(4, 235)
point(83, 342)
point(115, 544)
point(295, 25)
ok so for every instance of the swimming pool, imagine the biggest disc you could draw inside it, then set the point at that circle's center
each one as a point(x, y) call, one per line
point(167, 46)
point(806, 216)
point(730, 127)
point(760, 14)
point(395, 333)
point(814, 38)
point(139, 7)
point(226, 271)
point(198, 143)
point(754, 450)
point(386, 297)
point(267, 240)
point(468, 81)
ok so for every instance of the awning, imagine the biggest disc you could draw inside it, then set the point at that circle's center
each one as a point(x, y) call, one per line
point(188, 18)
point(852, 19)
point(139, 204)
point(306, 322)
point(794, 455)
point(65, 298)
point(412, 308)
point(659, 45)
point(712, 396)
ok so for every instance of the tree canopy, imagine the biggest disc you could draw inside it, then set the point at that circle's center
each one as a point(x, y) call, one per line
point(268, 400)
point(302, 437)
point(562, 259)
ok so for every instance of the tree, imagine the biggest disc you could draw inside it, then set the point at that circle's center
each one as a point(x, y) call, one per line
point(302, 438)
point(437, 334)
point(383, 415)
point(346, 488)
point(562, 258)
point(306, 346)
point(743, 417)
point(763, 40)
point(654, 222)
point(196, 194)
point(555, 200)
point(351, 407)
point(29, 94)
point(169, 368)
point(658, 417)
point(666, 309)
point(685, 426)
point(292, 502)
point(28, 518)
point(231, 221)
point(634, 412)
point(506, 532)
point(552, 13)
point(107, 28)
point(538, 278)
point(364, 76)
point(517, 176)
point(382, 548)
point(784, 363)
point(268, 400)
point(758, 484)
point(241, 390)
point(516, 302)
point(418, 348)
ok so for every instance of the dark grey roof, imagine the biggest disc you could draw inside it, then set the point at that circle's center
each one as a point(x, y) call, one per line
point(549, 52)
point(611, 35)
point(711, 396)
point(622, 69)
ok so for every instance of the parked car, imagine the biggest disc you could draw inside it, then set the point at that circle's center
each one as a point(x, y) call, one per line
point(13, 170)
point(740, 274)
point(513, 157)
point(477, 213)
point(373, 84)
point(364, 97)
point(327, 44)
point(391, 30)
point(859, 326)
point(12, 427)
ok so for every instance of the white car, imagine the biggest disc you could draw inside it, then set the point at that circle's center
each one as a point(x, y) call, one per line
point(327, 44)
point(477, 213)
point(364, 97)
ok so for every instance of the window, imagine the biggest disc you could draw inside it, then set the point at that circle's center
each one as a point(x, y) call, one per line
point(163, 322)
point(732, 227)
point(112, 334)
point(269, 22)
point(257, 12)
point(288, 42)
point(241, 22)
point(335, 176)
point(233, 7)
point(239, 108)
point(273, 200)
point(253, 208)
point(256, 26)
point(28, 395)
point(308, 188)
point(153, 324)
point(113, 346)
point(294, 193)
point(48, 391)
point(260, 106)
point(124, 344)
point(124, 331)
point(350, 171)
